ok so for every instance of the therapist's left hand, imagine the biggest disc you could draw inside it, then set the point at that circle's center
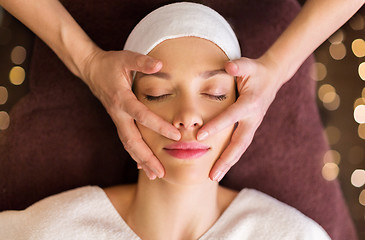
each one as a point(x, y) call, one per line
point(258, 81)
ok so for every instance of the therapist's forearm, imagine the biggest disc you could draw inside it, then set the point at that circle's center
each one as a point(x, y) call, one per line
point(317, 20)
point(51, 22)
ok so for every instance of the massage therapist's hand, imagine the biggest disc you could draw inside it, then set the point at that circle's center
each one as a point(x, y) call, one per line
point(109, 76)
point(257, 82)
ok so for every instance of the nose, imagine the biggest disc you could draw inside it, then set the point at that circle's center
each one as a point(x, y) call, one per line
point(187, 116)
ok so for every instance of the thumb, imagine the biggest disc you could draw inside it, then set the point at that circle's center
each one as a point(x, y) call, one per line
point(141, 63)
point(241, 67)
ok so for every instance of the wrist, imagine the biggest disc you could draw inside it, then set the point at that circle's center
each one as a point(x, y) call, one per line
point(83, 61)
point(276, 67)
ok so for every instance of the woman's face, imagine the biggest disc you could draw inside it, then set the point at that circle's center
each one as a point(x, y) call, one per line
point(191, 89)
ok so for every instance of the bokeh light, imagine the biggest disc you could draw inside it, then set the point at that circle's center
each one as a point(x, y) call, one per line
point(359, 114)
point(3, 95)
point(362, 198)
point(358, 47)
point(357, 22)
point(363, 92)
point(358, 178)
point(337, 51)
point(17, 75)
point(333, 134)
point(318, 71)
point(4, 120)
point(337, 37)
point(18, 55)
point(356, 155)
point(329, 97)
point(362, 70)
point(331, 101)
point(361, 131)
point(330, 171)
point(324, 89)
point(359, 101)
point(332, 156)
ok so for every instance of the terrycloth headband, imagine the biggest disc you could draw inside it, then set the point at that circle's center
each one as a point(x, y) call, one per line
point(183, 19)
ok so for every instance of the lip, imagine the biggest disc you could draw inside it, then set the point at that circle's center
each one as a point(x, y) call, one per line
point(187, 150)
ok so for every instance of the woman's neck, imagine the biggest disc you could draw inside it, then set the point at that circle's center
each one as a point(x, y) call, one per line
point(162, 210)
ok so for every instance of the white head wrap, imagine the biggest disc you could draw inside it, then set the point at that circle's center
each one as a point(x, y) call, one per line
point(183, 19)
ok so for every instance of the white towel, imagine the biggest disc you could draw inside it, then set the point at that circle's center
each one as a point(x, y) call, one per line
point(182, 20)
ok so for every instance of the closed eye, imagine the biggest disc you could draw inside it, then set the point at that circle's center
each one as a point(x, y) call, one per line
point(217, 97)
point(156, 98)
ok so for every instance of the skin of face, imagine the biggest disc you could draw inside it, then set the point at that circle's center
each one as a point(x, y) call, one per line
point(191, 89)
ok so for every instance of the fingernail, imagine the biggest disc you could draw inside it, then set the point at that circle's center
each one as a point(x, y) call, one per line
point(149, 174)
point(202, 136)
point(158, 173)
point(217, 176)
point(151, 63)
point(221, 176)
point(174, 136)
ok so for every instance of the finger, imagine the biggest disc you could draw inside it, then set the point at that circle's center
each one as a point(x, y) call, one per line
point(138, 149)
point(240, 67)
point(141, 63)
point(147, 118)
point(240, 141)
point(225, 119)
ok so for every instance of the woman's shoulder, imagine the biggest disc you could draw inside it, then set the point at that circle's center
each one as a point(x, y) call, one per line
point(74, 213)
point(121, 197)
point(257, 215)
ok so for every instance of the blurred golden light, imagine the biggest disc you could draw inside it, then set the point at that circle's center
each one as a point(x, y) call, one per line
point(362, 198)
point(357, 22)
point(333, 134)
point(331, 101)
point(18, 55)
point(337, 37)
point(362, 70)
point(3, 95)
point(329, 97)
point(363, 92)
point(324, 89)
point(359, 114)
point(358, 47)
point(17, 75)
point(332, 156)
point(330, 171)
point(359, 101)
point(356, 154)
point(4, 120)
point(361, 131)
point(318, 71)
point(337, 51)
point(358, 178)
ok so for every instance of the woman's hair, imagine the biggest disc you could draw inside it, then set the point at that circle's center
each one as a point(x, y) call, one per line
point(183, 19)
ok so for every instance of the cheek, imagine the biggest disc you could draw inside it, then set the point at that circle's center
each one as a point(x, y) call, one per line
point(225, 137)
point(210, 109)
point(151, 138)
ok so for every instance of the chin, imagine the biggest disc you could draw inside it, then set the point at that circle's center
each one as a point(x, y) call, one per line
point(187, 171)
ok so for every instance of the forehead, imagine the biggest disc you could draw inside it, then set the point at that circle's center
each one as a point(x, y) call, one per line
point(189, 54)
point(187, 60)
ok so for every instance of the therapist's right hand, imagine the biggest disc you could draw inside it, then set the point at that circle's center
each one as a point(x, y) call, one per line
point(109, 76)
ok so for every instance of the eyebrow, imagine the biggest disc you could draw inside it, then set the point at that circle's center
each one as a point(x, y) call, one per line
point(204, 75)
